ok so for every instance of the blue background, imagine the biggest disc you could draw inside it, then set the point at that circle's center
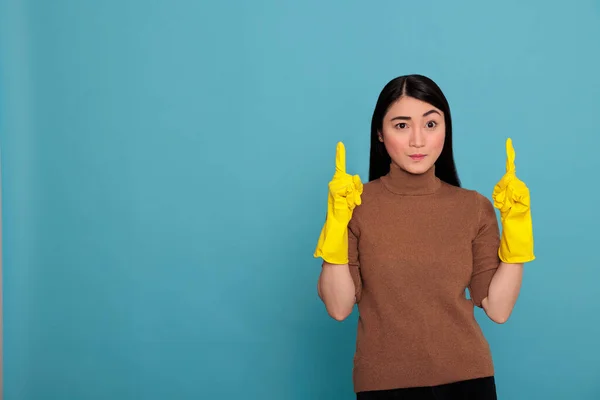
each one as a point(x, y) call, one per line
point(165, 170)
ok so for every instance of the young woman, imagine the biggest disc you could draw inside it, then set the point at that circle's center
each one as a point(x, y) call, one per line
point(407, 245)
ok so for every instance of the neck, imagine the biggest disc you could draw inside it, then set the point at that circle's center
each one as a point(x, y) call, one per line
point(400, 181)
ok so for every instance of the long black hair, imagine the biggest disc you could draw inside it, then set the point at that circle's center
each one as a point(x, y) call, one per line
point(422, 88)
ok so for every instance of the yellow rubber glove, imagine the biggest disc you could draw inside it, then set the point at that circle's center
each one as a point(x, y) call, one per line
point(344, 195)
point(511, 197)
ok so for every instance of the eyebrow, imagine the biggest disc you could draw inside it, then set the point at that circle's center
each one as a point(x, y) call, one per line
point(409, 118)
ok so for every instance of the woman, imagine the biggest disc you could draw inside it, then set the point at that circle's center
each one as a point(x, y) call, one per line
point(405, 247)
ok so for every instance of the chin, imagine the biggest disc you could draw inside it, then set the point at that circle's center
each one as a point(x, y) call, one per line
point(418, 168)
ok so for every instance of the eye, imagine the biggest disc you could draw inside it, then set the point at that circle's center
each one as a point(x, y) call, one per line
point(431, 124)
point(401, 125)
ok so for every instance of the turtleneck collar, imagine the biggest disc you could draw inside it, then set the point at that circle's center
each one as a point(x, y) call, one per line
point(400, 181)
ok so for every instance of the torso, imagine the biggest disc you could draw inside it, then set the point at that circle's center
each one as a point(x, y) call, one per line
point(416, 326)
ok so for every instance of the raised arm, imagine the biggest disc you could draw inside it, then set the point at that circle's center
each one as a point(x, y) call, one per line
point(336, 286)
point(511, 197)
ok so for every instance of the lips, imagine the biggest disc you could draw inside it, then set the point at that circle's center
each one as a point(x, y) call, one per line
point(417, 157)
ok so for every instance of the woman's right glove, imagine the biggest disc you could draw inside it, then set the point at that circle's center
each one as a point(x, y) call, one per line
point(344, 195)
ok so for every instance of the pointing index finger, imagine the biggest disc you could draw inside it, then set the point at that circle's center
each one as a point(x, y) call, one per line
point(340, 158)
point(510, 156)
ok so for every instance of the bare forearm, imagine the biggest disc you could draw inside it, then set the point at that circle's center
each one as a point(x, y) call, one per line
point(503, 292)
point(336, 289)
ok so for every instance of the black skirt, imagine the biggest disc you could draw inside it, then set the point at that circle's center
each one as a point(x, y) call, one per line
point(473, 389)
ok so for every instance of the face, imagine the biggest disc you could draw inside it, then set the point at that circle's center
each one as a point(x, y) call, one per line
point(413, 133)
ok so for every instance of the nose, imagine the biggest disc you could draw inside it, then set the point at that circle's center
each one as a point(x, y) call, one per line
point(417, 139)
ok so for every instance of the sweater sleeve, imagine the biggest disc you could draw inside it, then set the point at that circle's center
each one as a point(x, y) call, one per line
point(353, 257)
point(485, 250)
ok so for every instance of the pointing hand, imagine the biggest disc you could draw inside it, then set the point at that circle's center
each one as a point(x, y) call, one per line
point(344, 186)
point(511, 196)
point(344, 195)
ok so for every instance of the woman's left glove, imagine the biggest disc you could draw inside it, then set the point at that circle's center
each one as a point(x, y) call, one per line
point(511, 197)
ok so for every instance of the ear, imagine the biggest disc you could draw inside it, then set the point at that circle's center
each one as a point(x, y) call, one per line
point(380, 136)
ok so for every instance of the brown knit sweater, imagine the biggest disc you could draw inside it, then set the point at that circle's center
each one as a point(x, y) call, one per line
point(415, 245)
